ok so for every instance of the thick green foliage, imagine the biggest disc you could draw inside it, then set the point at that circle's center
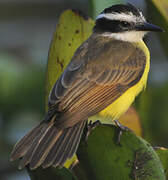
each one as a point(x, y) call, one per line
point(163, 155)
point(103, 158)
point(51, 174)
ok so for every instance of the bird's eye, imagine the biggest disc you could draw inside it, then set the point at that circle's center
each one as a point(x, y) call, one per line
point(125, 23)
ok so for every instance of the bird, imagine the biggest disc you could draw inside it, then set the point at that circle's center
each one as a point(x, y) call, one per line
point(104, 76)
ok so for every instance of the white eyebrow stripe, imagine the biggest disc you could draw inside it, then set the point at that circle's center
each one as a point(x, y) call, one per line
point(121, 17)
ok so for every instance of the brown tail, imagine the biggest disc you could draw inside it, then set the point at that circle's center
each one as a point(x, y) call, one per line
point(47, 145)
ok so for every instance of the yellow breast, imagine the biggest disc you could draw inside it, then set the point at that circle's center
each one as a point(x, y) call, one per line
point(120, 106)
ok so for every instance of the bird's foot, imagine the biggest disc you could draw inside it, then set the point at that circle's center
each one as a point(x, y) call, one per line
point(90, 126)
point(121, 129)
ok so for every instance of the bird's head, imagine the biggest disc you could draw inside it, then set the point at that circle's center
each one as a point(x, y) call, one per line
point(123, 22)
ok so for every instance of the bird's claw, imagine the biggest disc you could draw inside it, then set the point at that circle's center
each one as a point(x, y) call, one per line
point(91, 125)
point(121, 129)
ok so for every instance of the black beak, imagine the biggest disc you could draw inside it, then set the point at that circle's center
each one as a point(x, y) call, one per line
point(148, 27)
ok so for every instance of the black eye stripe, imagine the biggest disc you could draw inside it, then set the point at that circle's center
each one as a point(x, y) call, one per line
point(114, 22)
point(125, 23)
point(108, 25)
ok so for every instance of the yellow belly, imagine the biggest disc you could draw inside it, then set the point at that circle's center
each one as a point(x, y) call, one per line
point(121, 105)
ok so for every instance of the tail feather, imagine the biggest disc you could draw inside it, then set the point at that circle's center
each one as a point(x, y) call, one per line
point(62, 148)
point(22, 146)
point(76, 141)
point(28, 155)
point(43, 148)
point(50, 157)
point(47, 145)
point(72, 145)
point(66, 147)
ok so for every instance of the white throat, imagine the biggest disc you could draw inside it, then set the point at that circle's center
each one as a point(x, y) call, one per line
point(129, 36)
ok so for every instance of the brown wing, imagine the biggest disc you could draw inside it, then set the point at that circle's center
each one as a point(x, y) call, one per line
point(100, 72)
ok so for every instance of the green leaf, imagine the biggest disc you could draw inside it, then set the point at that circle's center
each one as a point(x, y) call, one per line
point(102, 158)
point(51, 174)
point(163, 155)
point(158, 14)
point(97, 6)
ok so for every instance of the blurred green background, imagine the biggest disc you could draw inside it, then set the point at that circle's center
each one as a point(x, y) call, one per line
point(26, 29)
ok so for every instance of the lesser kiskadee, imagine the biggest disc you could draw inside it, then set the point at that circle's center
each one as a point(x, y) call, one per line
point(104, 76)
